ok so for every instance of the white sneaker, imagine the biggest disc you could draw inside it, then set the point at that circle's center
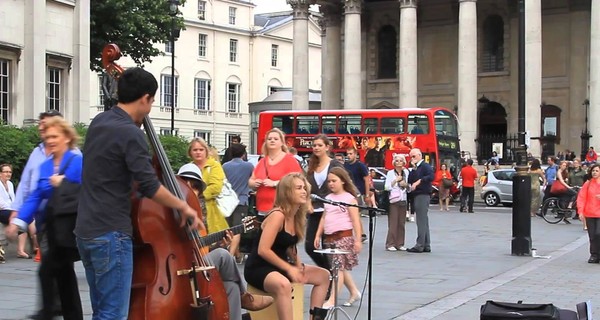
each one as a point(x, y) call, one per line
point(391, 249)
point(402, 248)
point(412, 219)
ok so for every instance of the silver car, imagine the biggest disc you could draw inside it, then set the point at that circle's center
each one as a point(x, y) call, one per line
point(498, 187)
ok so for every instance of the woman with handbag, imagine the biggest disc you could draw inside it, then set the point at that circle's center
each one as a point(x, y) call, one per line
point(61, 169)
point(395, 183)
point(213, 175)
point(443, 179)
point(275, 164)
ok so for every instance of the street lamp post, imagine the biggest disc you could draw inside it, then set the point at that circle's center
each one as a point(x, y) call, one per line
point(585, 135)
point(521, 221)
point(173, 10)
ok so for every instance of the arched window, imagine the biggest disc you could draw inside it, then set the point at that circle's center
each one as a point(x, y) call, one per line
point(492, 57)
point(386, 44)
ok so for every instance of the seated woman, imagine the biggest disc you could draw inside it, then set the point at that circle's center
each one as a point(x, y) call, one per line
point(273, 263)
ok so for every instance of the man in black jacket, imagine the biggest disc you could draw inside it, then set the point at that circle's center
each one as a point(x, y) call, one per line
point(420, 179)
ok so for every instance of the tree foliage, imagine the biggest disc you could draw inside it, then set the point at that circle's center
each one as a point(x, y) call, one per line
point(134, 25)
point(176, 148)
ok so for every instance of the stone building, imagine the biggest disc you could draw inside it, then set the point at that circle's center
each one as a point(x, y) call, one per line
point(44, 59)
point(463, 55)
point(225, 58)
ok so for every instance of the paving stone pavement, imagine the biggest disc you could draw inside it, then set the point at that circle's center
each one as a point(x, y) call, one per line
point(470, 263)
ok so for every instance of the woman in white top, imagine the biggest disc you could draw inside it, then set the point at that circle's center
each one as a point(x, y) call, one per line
point(7, 196)
point(395, 183)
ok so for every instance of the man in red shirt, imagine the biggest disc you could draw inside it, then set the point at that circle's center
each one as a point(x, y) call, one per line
point(468, 175)
point(591, 156)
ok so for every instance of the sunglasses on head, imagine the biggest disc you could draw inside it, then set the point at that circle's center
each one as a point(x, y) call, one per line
point(50, 113)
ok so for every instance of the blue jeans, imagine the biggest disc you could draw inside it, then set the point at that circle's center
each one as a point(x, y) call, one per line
point(108, 262)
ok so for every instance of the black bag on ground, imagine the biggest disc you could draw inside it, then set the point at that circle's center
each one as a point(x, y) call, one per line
point(493, 310)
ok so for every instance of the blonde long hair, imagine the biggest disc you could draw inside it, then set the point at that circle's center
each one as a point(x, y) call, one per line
point(67, 129)
point(281, 135)
point(283, 196)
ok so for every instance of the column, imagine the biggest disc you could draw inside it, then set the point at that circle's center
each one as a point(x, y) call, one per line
point(34, 60)
point(533, 73)
point(300, 68)
point(80, 86)
point(594, 111)
point(331, 52)
point(407, 54)
point(352, 53)
point(467, 74)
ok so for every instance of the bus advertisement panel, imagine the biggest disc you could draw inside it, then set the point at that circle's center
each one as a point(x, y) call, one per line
point(378, 135)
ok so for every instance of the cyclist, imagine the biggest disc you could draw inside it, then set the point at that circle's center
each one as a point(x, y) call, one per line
point(562, 176)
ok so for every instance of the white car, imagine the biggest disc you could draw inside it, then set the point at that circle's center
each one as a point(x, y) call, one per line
point(498, 187)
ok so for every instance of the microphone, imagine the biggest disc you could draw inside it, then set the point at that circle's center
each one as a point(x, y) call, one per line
point(317, 198)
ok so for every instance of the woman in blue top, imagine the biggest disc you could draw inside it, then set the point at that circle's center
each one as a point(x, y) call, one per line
point(57, 262)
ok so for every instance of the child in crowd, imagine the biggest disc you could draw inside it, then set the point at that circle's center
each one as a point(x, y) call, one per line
point(340, 228)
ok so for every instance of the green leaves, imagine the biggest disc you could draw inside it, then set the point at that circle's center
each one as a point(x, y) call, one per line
point(133, 25)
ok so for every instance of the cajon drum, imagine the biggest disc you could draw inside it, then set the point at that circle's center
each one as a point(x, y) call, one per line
point(270, 313)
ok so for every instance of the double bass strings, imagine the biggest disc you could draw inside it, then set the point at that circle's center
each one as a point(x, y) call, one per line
point(171, 182)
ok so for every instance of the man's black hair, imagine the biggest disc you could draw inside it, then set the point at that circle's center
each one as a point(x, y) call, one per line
point(470, 162)
point(134, 83)
point(238, 150)
point(50, 113)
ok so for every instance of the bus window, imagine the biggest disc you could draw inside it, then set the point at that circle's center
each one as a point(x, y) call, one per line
point(328, 124)
point(445, 123)
point(418, 124)
point(370, 126)
point(392, 125)
point(307, 124)
point(285, 123)
point(349, 124)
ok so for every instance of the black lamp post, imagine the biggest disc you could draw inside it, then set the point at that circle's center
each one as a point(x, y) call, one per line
point(585, 135)
point(521, 221)
point(173, 10)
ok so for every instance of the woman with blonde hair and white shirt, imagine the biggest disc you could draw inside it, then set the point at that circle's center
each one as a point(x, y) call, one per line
point(395, 183)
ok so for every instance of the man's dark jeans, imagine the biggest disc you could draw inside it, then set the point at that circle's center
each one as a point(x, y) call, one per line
point(467, 192)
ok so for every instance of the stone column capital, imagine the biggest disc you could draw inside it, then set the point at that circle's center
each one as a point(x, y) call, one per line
point(352, 6)
point(300, 8)
point(331, 16)
point(408, 3)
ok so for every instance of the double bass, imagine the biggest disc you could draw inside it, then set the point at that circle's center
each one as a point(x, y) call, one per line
point(172, 279)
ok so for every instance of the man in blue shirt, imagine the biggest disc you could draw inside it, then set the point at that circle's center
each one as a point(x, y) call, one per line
point(238, 172)
point(359, 173)
point(550, 176)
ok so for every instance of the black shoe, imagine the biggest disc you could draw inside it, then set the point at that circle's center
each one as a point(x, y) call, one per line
point(427, 250)
point(594, 259)
point(462, 209)
point(415, 250)
point(471, 211)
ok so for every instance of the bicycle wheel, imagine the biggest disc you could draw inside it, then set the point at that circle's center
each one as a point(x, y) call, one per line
point(551, 211)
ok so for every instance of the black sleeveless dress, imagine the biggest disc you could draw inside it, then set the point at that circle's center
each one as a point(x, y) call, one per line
point(256, 268)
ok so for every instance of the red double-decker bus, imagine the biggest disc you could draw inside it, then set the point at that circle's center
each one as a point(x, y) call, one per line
point(377, 134)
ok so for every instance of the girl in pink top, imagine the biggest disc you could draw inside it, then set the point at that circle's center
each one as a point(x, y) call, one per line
point(340, 228)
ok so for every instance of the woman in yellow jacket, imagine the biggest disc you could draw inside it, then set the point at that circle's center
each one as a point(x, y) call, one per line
point(213, 175)
point(588, 204)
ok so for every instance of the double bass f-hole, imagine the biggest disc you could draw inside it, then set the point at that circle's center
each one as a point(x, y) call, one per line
point(172, 279)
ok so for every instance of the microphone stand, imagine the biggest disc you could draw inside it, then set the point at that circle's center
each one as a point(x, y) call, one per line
point(372, 213)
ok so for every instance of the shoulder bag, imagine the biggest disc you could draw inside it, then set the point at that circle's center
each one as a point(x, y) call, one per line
point(227, 200)
point(62, 213)
point(558, 187)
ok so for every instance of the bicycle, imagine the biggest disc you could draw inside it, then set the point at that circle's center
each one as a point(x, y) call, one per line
point(555, 209)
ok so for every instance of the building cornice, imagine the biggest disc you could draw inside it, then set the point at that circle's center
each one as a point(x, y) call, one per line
point(216, 27)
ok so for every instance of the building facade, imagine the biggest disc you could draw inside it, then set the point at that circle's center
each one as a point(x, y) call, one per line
point(44, 59)
point(463, 55)
point(226, 58)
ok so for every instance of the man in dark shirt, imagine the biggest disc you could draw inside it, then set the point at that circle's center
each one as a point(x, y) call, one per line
point(420, 179)
point(359, 173)
point(116, 154)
